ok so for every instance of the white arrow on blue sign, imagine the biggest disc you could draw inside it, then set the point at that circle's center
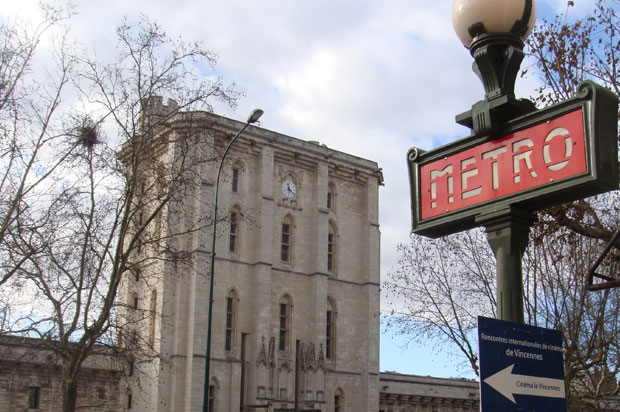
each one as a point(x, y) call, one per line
point(509, 384)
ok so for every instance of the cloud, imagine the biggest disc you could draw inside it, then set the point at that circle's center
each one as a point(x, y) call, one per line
point(365, 77)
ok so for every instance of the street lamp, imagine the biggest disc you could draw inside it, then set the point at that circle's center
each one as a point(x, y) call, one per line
point(254, 116)
point(494, 31)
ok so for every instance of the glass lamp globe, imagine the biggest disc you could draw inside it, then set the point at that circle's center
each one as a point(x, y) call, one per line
point(497, 16)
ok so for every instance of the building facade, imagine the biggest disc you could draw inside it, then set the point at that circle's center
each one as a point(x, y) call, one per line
point(296, 295)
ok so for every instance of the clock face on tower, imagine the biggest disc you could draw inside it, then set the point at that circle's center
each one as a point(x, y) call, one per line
point(289, 189)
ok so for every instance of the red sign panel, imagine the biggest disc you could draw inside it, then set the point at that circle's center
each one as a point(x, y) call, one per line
point(533, 157)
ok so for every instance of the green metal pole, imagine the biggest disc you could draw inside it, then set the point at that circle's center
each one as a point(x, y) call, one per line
point(508, 233)
point(205, 397)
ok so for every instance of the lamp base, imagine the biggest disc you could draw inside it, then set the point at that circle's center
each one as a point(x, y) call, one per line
point(497, 58)
point(487, 116)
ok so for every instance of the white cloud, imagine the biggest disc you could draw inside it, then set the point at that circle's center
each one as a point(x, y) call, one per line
point(370, 78)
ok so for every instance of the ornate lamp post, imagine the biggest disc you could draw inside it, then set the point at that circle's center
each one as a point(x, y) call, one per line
point(254, 116)
point(494, 31)
point(507, 168)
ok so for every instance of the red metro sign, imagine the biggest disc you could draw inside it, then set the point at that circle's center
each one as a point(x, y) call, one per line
point(545, 153)
point(562, 153)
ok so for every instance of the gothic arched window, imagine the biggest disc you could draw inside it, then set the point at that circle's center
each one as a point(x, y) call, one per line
point(235, 180)
point(331, 197)
point(233, 237)
point(338, 400)
point(330, 330)
point(285, 323)
point(286, 240)
point(231, 311)
point(332, 236)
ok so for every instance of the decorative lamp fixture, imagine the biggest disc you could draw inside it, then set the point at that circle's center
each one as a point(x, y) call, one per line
point(494, 31)
point(472, 18)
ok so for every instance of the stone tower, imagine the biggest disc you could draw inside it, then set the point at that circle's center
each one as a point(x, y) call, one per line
point(296, 295)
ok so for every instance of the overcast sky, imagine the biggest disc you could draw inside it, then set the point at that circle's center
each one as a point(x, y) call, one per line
point(368, 77)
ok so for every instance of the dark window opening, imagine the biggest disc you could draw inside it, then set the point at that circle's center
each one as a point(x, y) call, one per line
point(234, 228)
point(34, 396)
point(229, 323)
point(331, 198)
point(284, 316)
point(337, 403)
point(329, 335)
point(286, 242)
point(211, 398)
point(330, 252)
point(235, 180)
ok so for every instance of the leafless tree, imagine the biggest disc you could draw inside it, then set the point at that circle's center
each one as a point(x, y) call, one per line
point(565, 52)
point(102, 192)
point(29, 108)
point(439, 289)
point(441, 286)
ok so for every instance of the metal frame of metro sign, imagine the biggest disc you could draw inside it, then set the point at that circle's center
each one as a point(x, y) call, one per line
point(561, 153)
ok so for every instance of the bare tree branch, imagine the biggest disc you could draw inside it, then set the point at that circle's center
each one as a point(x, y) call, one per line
point(90, 196)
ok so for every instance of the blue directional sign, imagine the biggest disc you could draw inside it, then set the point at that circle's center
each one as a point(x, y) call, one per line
point(521, 367)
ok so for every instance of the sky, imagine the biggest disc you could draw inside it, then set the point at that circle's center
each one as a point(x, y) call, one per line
point(367, 77)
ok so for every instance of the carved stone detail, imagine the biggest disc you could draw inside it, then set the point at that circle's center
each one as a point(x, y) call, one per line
point(321, 360)
point(262, 354)
point(295, 173)
point(308, 356)
point(271, 357)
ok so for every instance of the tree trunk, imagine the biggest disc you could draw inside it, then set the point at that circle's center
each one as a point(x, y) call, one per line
point(69, 391)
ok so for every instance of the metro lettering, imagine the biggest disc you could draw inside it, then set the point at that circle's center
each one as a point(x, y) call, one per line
point(542, 154)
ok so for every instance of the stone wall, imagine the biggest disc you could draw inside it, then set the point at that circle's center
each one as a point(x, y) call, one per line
point(30, 379)
point(413, 393)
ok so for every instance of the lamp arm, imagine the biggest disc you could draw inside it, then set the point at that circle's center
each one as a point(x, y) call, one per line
point(205, 399)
